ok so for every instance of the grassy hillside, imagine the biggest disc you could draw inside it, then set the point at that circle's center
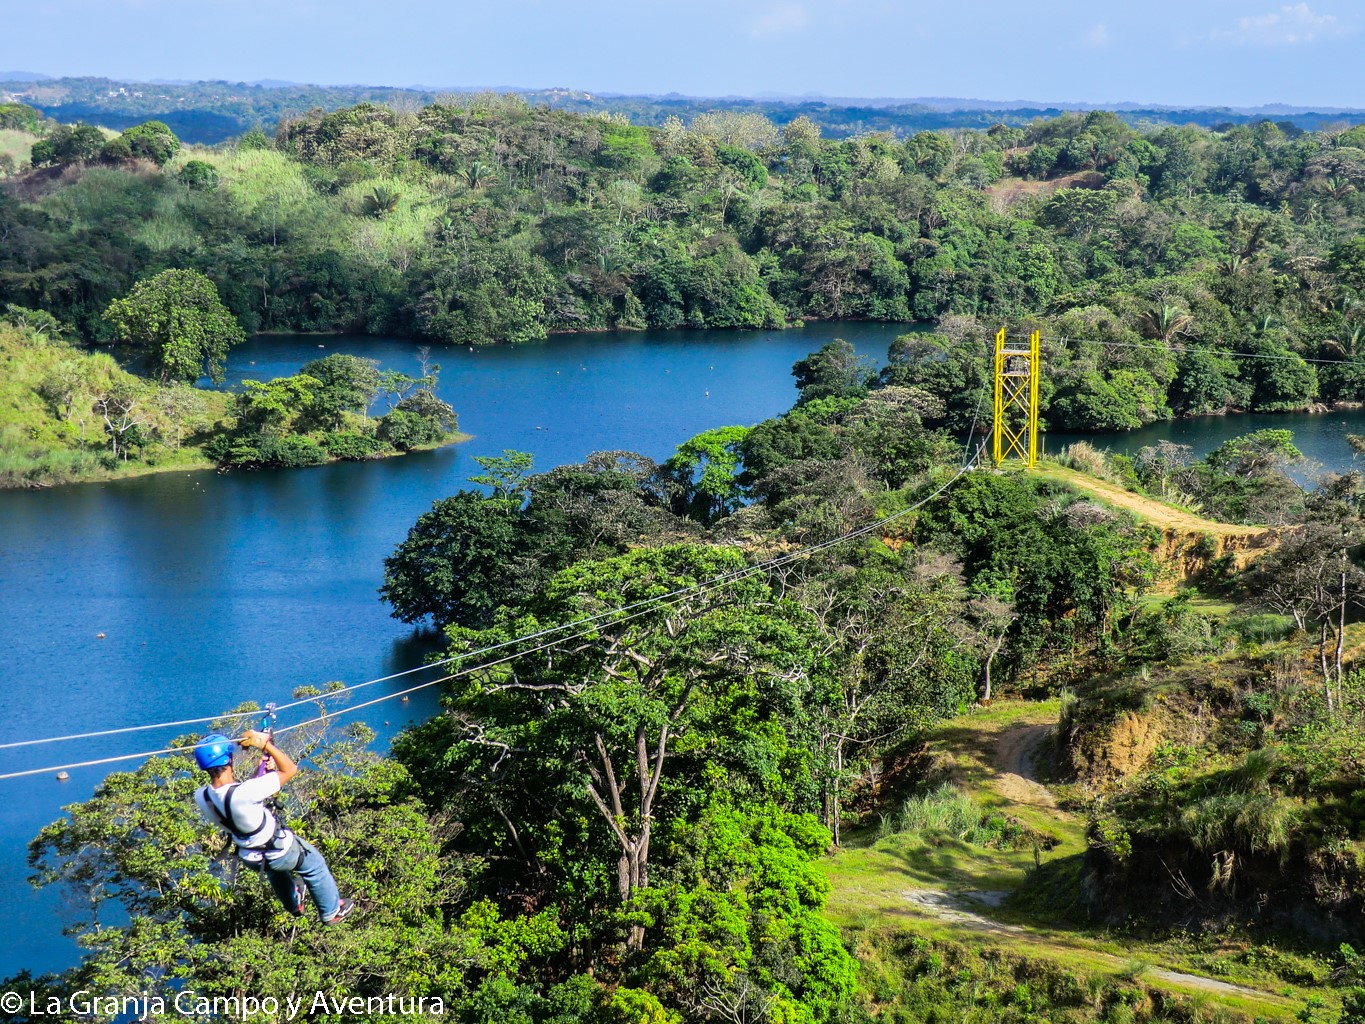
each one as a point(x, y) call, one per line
point(16, 146)
point(1179, 836)
point(53, 402)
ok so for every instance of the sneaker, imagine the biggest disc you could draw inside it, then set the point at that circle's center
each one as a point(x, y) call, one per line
point(345, 908)
point(297, 908)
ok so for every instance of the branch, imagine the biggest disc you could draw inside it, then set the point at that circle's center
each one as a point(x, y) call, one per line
point(611, 776)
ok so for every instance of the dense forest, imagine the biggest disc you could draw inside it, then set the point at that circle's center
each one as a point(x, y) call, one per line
point(1142, 253)
point(213, 112)
point(689, 809)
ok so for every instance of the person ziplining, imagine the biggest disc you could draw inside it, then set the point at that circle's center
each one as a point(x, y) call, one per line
point(243, 810)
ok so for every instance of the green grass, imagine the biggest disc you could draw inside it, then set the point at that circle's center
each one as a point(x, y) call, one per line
point(17, 145)
point(875, 877)
point(39, 445)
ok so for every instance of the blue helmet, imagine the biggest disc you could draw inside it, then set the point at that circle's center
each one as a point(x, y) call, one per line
point(213, 751)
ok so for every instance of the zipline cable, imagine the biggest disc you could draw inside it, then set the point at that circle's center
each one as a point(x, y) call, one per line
point(130, 728)
point(549, 630)
point(1154, 344)
point(641, 607)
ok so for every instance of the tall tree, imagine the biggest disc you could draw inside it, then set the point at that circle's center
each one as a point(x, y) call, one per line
point(178, 322)
point(835, 371)
point(627, 717)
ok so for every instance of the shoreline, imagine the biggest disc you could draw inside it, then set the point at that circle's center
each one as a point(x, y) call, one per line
point(205, 465)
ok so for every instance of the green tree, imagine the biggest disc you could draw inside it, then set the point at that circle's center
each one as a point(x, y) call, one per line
point(835, 371)
point(345, 384)
point(705, 473)
point(274, 405)
point(780, 442)
point(453, 565)
point(1257, 454)
point(178, 322)
point(1348, 262)
point(505, 475)
point(19, 117)
point(163, 908)
point(702, 680)
point(68, 144)
point(199, 176)
point(151, 140)
point(39, 321)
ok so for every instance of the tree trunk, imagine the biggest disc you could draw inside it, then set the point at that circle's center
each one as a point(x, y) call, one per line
point(1322, 664)
point(632, 867)
point(999, 643)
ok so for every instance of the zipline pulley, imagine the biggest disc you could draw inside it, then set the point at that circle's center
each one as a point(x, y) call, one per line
point(268, 727)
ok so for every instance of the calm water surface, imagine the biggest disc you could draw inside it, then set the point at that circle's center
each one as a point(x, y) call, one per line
point(1321, 437)
point(214, 589)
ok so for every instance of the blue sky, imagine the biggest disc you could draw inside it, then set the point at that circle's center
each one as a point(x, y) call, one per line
point(1209, 52)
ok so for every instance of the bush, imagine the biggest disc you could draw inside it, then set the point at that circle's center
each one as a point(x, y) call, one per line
point(425, 404)
point(406, 430)
point(289, 452)
point(949, 813)
point(1261, 629)
point(1086, 458)
point(347, 444)
point(199, 176)
point(151, 140)
point(217, 447)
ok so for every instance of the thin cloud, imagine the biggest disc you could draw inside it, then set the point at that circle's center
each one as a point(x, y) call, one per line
point(1096, 37)
point(1291, 25)
point(779, 19)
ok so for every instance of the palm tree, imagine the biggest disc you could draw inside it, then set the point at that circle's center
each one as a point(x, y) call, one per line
point(1350, 344)
point(1337, 187)
point(382, 201)
point(1167, 323)
point(1263, 325)
point(478, 174)
point(1232, 266)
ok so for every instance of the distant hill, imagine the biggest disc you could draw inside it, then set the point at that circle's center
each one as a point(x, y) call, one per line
point(214, 111)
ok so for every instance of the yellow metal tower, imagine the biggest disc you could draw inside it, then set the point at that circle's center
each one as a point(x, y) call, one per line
point(1016, 401)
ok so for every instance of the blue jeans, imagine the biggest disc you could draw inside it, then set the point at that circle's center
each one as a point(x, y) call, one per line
point(312, 871)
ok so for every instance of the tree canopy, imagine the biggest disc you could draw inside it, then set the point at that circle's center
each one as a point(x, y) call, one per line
point(178, 323)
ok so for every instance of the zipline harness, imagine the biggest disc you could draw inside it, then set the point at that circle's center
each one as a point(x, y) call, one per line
point(249, 846)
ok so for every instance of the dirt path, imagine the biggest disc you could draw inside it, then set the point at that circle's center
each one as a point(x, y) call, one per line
point(957, 908)
point(1150, 509)
point(1004, 755)
point(1014, 753)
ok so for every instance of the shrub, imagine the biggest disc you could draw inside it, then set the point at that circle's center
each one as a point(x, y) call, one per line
point(949, 813)
point(406, 430)
point(347, 444)
point(291, 451)
point(199, 176)
point(1261, 629)
point(1086, 458)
